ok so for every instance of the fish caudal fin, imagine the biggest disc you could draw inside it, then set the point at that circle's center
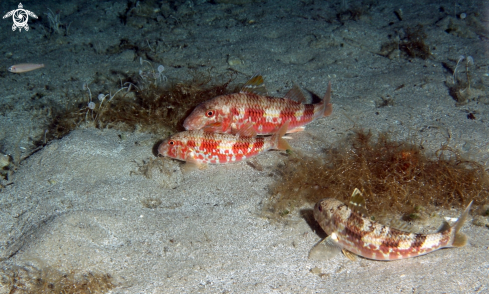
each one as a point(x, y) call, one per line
point(460, 239)
point(328, 107)
point(279, 142)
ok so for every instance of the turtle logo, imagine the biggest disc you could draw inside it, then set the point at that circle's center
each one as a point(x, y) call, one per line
point(20, 17)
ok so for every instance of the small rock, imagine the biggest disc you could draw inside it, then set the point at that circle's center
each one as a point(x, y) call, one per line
point(232, 61)
point(4, 160)
point(480, 221)
point(167, 174)
point(128, 55)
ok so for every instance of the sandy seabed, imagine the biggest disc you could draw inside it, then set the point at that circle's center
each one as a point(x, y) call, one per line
point(80, 204)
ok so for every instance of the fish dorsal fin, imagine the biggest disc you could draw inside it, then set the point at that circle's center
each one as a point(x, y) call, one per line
point(357, 203)
point(402, 226)
point(255, 85)
point(444, 226)
point(296, 94)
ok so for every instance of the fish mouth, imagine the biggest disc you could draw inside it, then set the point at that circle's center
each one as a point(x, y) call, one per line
point(189, 124)
point(161, 149)
point(196, 120)
point(193, 123)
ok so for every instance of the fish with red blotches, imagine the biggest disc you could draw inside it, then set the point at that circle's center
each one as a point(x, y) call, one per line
point(354, 234)
point(251, 107)
point(201, 147)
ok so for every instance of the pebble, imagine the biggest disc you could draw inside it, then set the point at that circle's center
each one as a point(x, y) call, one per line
point(480, 221)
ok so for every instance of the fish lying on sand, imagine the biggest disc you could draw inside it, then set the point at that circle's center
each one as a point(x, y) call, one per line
point(355, 234)
point(206, 147)
point(251, 107)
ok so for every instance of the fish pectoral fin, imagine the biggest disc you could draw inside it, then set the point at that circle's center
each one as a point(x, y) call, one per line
point(246, 130)
point(296, 130)
point(191, 163)
point(212, 128)
point(188, 167)
point(192, 166)
point(351, 256)
point(324, 250)
point(279, 142)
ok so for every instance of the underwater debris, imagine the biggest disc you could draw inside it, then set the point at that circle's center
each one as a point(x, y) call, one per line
point(166, 173)
point(465, 86)
point(412, 44)
point(18, 279)
point(480, 221)
point(151, 202)
point(356, 12)
point(5, 162)
point(393, 177)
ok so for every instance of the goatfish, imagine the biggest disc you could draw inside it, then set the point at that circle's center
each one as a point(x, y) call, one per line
point(352, 233)
point(201, 147)
point(251, 107)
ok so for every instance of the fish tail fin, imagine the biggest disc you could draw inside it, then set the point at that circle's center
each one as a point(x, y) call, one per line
point(460, 239)
point(327, 106)
point(279, 142)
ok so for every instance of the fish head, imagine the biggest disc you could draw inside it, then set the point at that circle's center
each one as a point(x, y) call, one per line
point(207, 115)
point(174, 147)
point(325, 212)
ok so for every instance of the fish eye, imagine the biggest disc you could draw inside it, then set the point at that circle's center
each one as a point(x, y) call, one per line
point(209, 113)
point(171, 142)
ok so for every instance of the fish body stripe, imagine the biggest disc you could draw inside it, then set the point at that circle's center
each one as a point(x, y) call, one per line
point(215, 148)
point(373, 240)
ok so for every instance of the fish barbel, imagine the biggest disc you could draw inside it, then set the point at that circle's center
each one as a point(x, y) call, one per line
point(355, 234)
point(251, 107)
point(206, 147)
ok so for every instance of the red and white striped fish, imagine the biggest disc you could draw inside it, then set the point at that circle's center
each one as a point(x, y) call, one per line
point(206, 147)
point(236, 112)
point(354, 234)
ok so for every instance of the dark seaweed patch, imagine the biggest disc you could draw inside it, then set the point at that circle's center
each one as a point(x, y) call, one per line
point(393, 176)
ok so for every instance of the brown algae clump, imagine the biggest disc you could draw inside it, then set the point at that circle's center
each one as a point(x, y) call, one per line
point(152, 109)
point(393, 177)
point(17, 279)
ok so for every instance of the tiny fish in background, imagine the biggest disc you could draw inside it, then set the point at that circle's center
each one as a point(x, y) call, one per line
point(355, 234)
point(24, 67)
point(251, 107)
point(200, 147)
